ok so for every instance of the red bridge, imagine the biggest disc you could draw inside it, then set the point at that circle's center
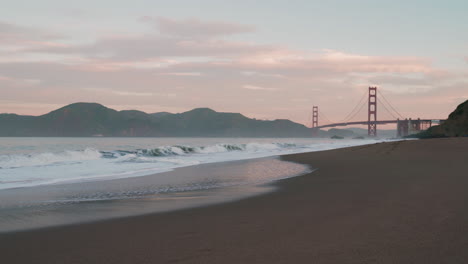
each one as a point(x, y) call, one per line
point(405, 126)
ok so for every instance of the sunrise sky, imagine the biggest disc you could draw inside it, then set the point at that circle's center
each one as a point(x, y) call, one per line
point(265, 59)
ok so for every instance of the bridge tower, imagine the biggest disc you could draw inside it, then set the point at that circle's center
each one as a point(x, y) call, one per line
point(314, 116)
point(315, 121)
point(372, 112)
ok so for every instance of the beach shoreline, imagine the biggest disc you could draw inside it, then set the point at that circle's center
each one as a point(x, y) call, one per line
point(48, 206)
point(395, 202)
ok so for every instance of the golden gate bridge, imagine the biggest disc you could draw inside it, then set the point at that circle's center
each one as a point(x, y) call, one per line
point(405, 126)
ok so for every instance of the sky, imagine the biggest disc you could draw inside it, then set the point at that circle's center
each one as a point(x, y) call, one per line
point(265, 59)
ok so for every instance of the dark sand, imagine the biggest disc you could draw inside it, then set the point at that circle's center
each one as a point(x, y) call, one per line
point(400, 202)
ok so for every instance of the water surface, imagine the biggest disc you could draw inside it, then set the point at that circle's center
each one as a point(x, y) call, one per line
point(57, 181)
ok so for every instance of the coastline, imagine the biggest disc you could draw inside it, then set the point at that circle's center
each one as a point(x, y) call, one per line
point(48, 206)
point(395, 202)
point(39, 162)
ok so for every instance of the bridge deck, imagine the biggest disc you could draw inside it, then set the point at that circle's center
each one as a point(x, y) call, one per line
point(382, 122)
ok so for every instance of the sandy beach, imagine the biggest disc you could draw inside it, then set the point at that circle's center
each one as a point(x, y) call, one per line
point(398, 202)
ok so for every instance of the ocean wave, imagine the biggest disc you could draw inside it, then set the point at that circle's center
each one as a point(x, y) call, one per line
point(178, 150)
point(138, 155)
point(120, 161)
point(48, 158)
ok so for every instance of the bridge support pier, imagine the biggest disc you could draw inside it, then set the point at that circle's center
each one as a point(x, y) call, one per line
point(408, 126)
point(425, 124)
point(402, 128)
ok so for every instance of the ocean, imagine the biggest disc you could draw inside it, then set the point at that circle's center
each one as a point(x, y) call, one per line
point(56, 181)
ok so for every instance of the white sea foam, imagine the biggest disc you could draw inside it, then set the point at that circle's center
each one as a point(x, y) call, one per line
point(89, 164)
point(47, 158)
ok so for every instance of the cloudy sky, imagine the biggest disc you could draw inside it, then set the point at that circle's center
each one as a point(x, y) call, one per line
point(265, 59)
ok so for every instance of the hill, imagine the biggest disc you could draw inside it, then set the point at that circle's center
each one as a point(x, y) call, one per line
point(79, 119)
point(92, 119)
point(455, 126)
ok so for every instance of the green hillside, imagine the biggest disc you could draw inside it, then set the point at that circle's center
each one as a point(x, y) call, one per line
point(455, 126)
point(92, 119)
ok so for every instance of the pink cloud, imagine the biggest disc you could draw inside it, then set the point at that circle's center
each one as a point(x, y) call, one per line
point(193, 74)
point(258, 88)
point(174, 38)
point(152, 46)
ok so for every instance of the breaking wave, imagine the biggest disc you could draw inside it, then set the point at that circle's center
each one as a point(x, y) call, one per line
point(187, 150)
point(48, 158)
point(91, 164)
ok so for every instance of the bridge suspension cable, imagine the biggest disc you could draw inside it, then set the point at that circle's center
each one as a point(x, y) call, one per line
point(347, 118)
point(387, 109)
point(390, 105)
point(357, 112)
point(325, 117)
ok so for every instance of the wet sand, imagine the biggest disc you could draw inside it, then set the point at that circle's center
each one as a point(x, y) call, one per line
point(182, 188)
point(399, 202)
